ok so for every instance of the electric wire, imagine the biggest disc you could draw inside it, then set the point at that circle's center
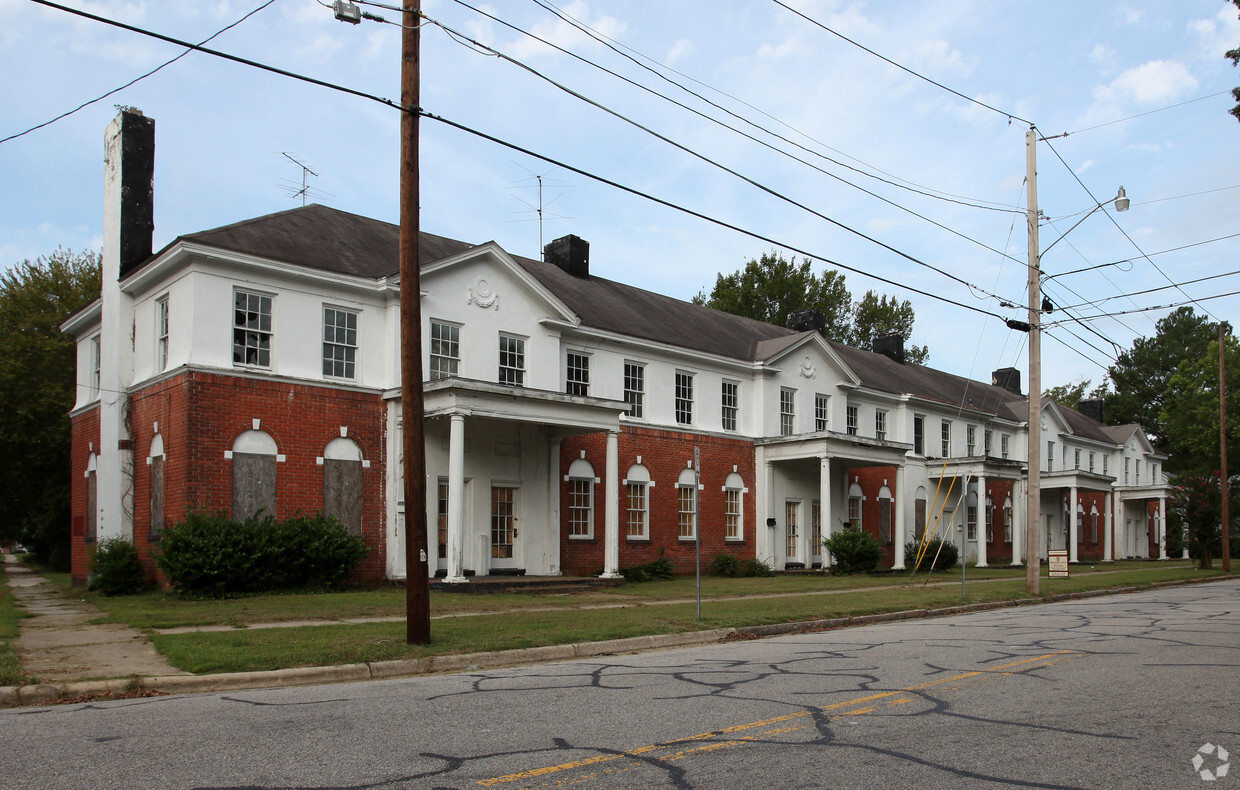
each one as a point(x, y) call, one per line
point(707, 160)
point(1154, 308)
point(135, 80)
point(1130, 294)
point(1148, 112)
point(885, 59)
point(1151, 254)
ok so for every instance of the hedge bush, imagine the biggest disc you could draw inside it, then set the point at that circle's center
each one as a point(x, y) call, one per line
point(212, 555)
point(947, 557)
point(116, 568)
point(649, 571)
point(725, 564)
point(854, 551)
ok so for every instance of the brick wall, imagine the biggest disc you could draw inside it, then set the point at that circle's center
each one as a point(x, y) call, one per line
point(85, 435)
point(665, 454)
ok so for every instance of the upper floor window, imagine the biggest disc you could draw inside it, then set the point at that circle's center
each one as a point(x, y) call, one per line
point(945, 434)
point(161, 334)
point(970, 440)
point(512, 360)
point(1127, 467)
point(96, 366)
point(880, 424)
point(1004, 441)
point(1050, 456)
point(577, 374)
point(1076, 459)
point(1154, 474)
point(850, 420)
point(730, 403)
point(919, 434)
point(787, 412)
point(1105, 464)
point(822, 411)
point(339, 343)
point(1138, 467)
point(445, 350)
point(252, 331)
point(684, 398)
point(986, 442)
point(634, 387)
point(1091, 462)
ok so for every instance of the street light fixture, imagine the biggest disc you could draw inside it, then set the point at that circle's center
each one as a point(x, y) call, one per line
point(1033, 494)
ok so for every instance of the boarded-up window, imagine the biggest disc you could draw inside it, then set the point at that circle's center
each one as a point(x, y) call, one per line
point(919, 518)
point(885, 509)
point(342, 493)
point(253, 485)
point(92, 506)
point(157, 497)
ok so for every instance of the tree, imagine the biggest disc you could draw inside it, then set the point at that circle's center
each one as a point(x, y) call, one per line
point(1141, 375)
point(37, 388)
point(1190, 413)
point(1071, 395)
point(875, 316)
point(1197, 509)
point(771, 288)
point(1234, 54)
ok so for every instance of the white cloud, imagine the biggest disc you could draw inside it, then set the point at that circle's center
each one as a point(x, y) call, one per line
point(564, 34)
point(941, 58)
point(1129, 15)
point(681, 49)
point(1155, 82)
point(1219, 34)
point(1102, 54)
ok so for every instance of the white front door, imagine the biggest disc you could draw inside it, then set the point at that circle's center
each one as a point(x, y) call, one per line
point(505, 527)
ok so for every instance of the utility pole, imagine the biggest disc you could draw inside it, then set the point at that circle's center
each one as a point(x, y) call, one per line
point(1222, 442)
point(417, 583)
point(1033, 497)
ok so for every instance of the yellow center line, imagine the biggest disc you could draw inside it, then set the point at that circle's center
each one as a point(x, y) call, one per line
point(1000, 670)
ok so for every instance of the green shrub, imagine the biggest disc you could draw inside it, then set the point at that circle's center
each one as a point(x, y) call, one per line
point(755, 568)
point(116, 568)
point(944, 554)
point(725, 564)
point(854, 551)
point(649, 571)
point(212, 555)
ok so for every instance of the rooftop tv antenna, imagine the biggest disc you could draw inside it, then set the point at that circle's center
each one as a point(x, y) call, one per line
point(305, 191)
point(538, 181)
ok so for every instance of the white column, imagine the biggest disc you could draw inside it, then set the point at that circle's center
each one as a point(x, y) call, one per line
point(456, 496)
point(768, 533)
point(1072, 525)
point(899, 514)
point(981, 528)
point(611, 509)
point(1019, 491)
point(1107, 525)
point(1162, 529)
point(824, 503)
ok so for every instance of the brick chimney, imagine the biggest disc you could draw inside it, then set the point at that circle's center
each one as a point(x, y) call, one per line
point(1092, 408)
point(1008, 378)
point(570, 253)
point(806, 321)
point(890, 346)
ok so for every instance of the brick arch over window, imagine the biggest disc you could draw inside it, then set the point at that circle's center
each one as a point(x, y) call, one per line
point(342, 483)
point(254, 455)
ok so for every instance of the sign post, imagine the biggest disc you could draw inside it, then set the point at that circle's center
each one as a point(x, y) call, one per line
point(697, 521)
point(1058, 563)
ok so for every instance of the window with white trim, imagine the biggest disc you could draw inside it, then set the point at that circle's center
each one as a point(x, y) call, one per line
point(339, 343)
point(990, 521)
point(880, 424)
point(971, 518)
point(855, 498)
point(637, 503)
point(850, 422)
point(96, 366)
point(919, 434)
point(733, 507)
point(787, 412)
point(684, 398)
point(945, 437)
point(252, 329)
point(634, 387)
point(686, 505)
point(986, 442)
point(512, 360)
point(577, 374)
point(970, 440)
point(815, 528)
point(1007, 520)
point(792, 533)
point(580, 499)
point(822, 412)
point(1004, 441)
point(1050, 456)
point(445, 350)
point(730, 403)
point(1076, 459)
point(161, 333)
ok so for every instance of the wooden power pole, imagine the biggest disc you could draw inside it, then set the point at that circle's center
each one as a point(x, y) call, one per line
point(1222, 441)
point(417, 583)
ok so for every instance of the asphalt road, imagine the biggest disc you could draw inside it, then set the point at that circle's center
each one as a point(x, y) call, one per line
point(1115, 692)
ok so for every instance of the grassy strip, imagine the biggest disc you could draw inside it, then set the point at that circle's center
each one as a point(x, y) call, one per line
point(264, 649)
point(11, 673)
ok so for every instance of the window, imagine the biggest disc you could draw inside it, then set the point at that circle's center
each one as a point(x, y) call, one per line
point(986, 442)
point(342, 483)
point(441, 519)
point(155, 459)
point(161, 334)
point(919, 434)
point(792, 535)
point(577, 374)
point(971, 519)
point(252, 330)
point(989, 518)
point(512, 360)
point(637, 498)
point(686, 505)
point(945, 434)
point(634, 387)
point(1004, 441)
point(1091, 462)
point(815, 528)
point(96, 366)
point(732, 514)
point(684, 398)
point(970, 440)
point(254, 459)
point(730, 403)
point(339, 343)
point(1127, 466)
point(880, 424)
point(580, 507)
point(445, 350)
point(1137, 479)
point(822, 404)
point(1093, 525)
point(1076, 459)
point(92, 499)
point(1154, 474)
point(1050, 456)
point(503, 521)
point(1007, 521)
point(885, 507)
point(855, 498)
point(850, 414)
point(787, 412)
point(1106, 464)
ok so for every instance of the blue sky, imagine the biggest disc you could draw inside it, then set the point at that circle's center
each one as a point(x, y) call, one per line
point(222, 130)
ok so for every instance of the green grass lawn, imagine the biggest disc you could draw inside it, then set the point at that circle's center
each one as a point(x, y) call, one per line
point(518, 621)
point(11, 673)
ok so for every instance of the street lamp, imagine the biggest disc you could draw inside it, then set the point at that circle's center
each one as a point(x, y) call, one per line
point(1033, 504)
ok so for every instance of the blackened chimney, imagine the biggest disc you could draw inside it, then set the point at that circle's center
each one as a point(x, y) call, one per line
point(807, 321)
point(890, 346)
point(570, 253)
point(1092, 408)
point(1008, 378)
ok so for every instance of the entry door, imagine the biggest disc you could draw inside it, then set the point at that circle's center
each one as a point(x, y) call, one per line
point(792, 534)
point(505, 532)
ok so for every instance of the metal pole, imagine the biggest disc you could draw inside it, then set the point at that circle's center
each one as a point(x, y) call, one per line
point(1222, 440)
point(697, 521)
point(417, 583)
point(1033, 497)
